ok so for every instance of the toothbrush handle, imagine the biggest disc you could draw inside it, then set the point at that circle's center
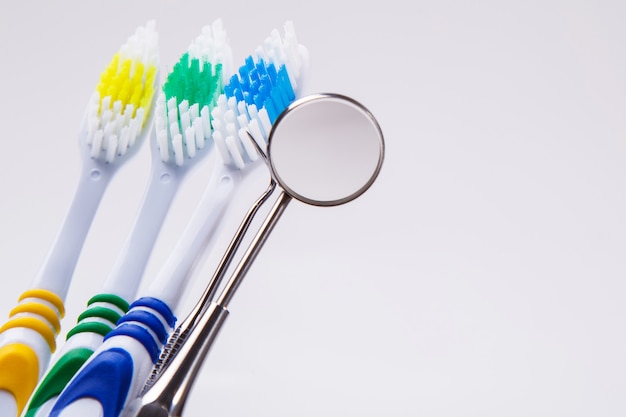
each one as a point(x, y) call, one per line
point(129, 268)
point(99, 318)
point(122, 362)
point(28, 340)
point(199, 234)
point(56, 273)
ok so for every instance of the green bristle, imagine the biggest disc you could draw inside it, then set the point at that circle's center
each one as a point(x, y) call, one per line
point(195, 81)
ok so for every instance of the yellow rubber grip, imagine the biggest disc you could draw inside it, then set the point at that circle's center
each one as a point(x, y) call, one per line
point(35, 324)
point(40, 309)
point(19, 372)
point(46, 295)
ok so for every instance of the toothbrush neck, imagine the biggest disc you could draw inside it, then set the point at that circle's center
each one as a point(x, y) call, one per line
point(56, 272)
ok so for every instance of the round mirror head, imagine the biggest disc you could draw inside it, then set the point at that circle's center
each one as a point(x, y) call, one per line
point(325, 149)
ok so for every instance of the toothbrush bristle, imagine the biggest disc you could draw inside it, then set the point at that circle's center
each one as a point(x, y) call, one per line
point(121, 103)
point(190, 92)
point(255, 96)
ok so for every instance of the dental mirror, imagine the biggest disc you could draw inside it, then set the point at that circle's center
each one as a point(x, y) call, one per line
point(324, 150)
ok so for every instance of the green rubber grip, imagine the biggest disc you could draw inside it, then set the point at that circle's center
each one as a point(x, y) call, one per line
point(57, 378)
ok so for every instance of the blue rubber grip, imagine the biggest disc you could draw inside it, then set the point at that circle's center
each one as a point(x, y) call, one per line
point(112, 369)
point(158, 306)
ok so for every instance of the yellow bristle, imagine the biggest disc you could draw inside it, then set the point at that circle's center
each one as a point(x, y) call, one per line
point(135, 99)
point(124, 93)
point(138, 70)
point(107, 75)
point(151, 75)
point(147, 99)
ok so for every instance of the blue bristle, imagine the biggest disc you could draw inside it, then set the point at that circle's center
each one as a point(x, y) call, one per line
point(266, 82)
point(277, 99)
point(238, 94)
point(262, 84)
point(258, 101)
point(248, 98)
point(253, 75)
point(271, 71)
point(228, 90)
point(232, 85)
point(261, 68)
point(284, 96)
point(272, 112)
point(249, 62)
point(283, 80)
point(263, 91)
point(242, 78)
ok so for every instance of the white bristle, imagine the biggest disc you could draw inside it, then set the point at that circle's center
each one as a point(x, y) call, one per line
point(161, 135)
point(206, 121)
point(111, 148)
point(249, 147)
point(183, 107)
point(190, 141)
point(105, 104)
point(133, 127)
point(96, 146)
point(257, 133)
point(235, 149)
point(174, 129)
point(118, 122)
point(220, 144)
point(252, 111)
point(231, 104)
point(171, 104)
point(128, 113)
point(92, 128)
point(242, 120)
point(230, 119)
point(140, 115)
point(117, 107)
point(172, 112)
point(264, 121)
point(109, 130)
point(193, 111)
point(199, 133)
point(231, 129)
point(159, 123)
point(177, 146)
point(185, 121)
point(124, 140)
point(106, 117)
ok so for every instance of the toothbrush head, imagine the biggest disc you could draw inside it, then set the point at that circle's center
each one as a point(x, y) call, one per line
point(118, 112)
point(189, 94)
point(255, 96)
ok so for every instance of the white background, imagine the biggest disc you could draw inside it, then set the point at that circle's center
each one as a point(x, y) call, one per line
point(481, 275)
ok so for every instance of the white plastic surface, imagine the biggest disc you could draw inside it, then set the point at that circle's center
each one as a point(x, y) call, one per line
point(199, 234)
point(8, 407)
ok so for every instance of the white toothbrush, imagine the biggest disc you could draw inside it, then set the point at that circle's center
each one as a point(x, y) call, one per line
point(116, 121)
point(201, 72)
point(130, 351)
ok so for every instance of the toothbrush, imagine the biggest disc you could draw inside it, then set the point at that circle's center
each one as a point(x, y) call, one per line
point(182, 109)
point(129, 352)
point(115, 122)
